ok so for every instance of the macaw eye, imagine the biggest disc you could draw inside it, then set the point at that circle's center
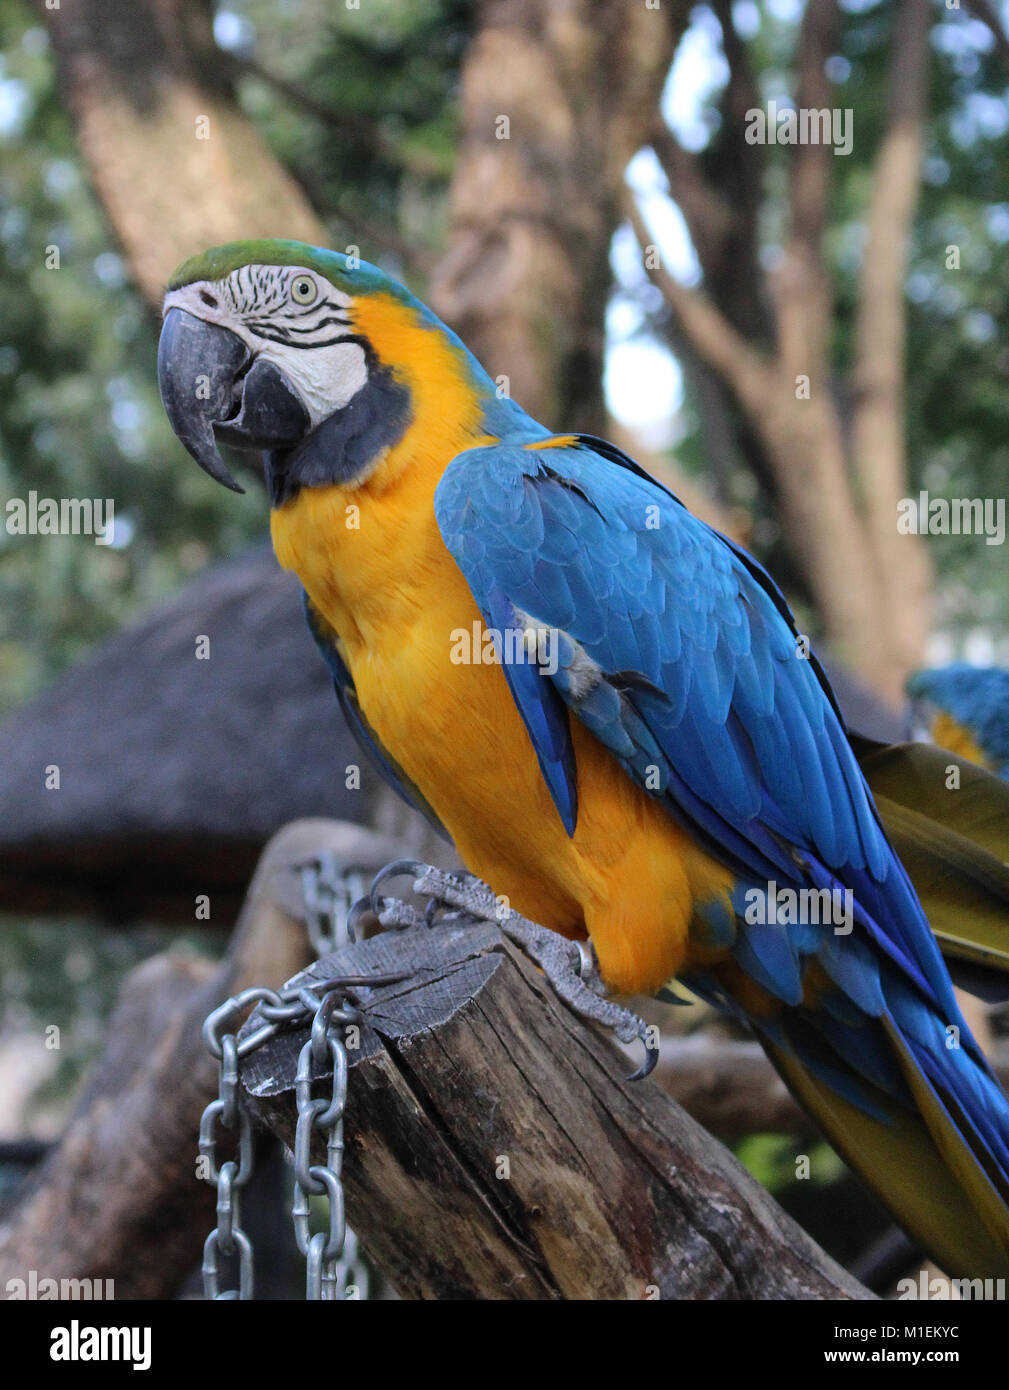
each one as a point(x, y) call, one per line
point(303, 290)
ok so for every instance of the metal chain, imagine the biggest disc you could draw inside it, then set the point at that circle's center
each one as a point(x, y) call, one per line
point(330, 892)
point(324, 1250)
point(335, 1268)
point(228, 1237)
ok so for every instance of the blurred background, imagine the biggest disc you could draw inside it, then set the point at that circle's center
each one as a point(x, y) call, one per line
point(569, 183)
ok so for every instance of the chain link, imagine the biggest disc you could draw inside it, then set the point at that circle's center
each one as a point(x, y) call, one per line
point(330, 892)
point(323, 1251)
point(334, 1266)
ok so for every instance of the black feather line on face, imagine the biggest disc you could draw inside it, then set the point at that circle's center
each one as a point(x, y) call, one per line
point(308, 328)
point(326, 342)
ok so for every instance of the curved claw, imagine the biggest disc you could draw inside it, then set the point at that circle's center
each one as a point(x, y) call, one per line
point(355, 917)
point(398, 867)
point(669, 995)
point(651, 1057)
point(587, 965)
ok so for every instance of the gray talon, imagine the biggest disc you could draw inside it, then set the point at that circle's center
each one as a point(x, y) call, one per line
point(396, 869)
point(570, 966)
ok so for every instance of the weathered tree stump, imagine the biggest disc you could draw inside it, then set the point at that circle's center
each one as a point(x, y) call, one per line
point(494, 1149)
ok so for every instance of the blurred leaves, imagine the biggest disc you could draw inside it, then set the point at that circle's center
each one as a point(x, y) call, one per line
point(79, 408)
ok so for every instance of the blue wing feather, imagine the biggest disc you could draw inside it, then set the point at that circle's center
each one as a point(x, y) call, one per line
point(542, 709)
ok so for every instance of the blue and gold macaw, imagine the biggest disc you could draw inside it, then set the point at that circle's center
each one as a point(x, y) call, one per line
point(966, 709)
point(654, 761)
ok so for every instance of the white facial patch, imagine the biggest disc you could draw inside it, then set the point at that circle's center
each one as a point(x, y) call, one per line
point(325, 378)
point(312, 344)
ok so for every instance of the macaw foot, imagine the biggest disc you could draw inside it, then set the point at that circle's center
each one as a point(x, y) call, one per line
point(570, 966)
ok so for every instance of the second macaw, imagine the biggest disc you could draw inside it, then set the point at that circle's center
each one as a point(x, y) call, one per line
point(657, 762)
point(967, 711)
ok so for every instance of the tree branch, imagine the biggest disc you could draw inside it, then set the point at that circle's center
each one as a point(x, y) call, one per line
point(811, 162)
point(744, 300)
point(710, 332)
point(732, 1090)
point(803, 290)
point(349, 124)
point(878, 439)
point(706, 212)
point(878, 372)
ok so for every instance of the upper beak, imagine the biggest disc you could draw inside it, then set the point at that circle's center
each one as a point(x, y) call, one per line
point(212, 387)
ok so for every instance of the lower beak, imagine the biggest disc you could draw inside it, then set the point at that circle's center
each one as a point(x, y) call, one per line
point(213, 388)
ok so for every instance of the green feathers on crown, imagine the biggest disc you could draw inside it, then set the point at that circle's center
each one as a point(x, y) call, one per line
point(347, 273)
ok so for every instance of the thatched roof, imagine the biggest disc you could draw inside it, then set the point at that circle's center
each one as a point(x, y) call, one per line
point(175, 771)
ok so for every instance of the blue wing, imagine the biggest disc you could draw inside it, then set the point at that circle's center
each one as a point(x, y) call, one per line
point(675, 648)
point(679, 653)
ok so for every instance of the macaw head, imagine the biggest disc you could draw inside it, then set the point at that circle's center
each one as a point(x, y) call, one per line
point(319, 359)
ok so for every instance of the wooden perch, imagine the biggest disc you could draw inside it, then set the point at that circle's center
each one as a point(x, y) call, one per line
point(118, 1198)
point(494, 1150)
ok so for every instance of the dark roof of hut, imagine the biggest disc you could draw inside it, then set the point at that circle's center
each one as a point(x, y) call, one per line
point(175, 771)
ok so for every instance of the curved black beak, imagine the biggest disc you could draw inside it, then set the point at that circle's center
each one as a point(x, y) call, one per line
point(214, 389)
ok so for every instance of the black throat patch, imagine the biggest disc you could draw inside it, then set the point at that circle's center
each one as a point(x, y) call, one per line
point(343, 447)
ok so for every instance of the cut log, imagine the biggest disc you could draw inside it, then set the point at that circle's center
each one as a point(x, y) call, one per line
point(495, 1151)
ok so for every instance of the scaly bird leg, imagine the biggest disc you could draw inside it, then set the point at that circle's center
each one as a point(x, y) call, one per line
point(570, 966)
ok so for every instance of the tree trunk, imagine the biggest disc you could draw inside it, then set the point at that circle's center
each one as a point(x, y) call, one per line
point(174, 162)
point(556, 98)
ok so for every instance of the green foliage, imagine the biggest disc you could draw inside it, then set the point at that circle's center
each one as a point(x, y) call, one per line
point(373, 139)
point(79, 408)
